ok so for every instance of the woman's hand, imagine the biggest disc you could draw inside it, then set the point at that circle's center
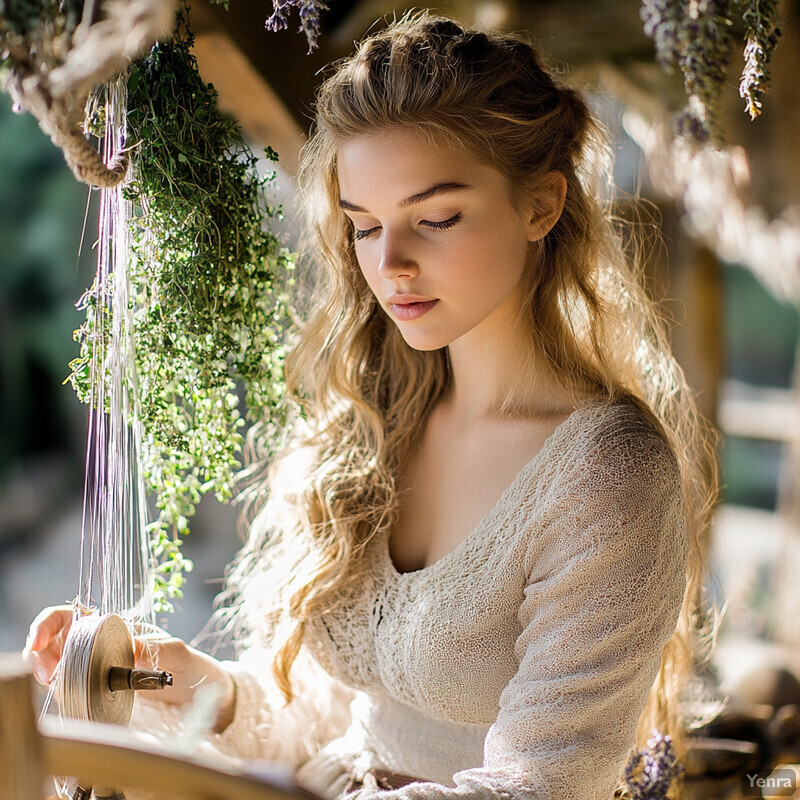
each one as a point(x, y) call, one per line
point(191, 669)
point(154, 648)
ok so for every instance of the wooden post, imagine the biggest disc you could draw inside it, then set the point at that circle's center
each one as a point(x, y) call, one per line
point(21, 751)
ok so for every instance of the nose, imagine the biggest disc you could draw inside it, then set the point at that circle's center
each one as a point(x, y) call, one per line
point(396, 259)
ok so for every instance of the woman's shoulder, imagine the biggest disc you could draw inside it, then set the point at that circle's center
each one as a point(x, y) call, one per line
point(617, 474)
point(618, 439)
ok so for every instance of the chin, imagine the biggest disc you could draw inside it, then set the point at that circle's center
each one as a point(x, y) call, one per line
point(423, 343)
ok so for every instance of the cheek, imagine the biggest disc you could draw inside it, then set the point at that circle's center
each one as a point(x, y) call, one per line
point(365, 263)
point(490, 262)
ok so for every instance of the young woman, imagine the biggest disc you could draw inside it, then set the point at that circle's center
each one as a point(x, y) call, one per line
point(478, 572)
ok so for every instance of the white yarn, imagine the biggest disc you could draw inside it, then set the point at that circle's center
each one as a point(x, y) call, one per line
point(114, 550)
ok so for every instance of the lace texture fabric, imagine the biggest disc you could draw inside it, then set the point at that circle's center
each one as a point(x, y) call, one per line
point(516, 666)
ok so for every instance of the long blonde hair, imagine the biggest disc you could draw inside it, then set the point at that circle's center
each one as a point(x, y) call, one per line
point(365, 394)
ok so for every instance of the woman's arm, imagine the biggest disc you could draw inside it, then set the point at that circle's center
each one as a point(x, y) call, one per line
point(262, 726)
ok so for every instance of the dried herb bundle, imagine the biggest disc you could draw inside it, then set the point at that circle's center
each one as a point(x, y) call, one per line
point(696, 37)
point(209, 308)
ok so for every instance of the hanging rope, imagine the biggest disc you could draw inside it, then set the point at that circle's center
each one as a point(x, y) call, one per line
point(57, 93)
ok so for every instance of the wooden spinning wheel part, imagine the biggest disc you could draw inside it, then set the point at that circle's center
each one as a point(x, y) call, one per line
point(107, 755)
point(104, 756)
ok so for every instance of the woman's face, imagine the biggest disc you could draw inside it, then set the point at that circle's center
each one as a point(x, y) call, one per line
point(436, 236)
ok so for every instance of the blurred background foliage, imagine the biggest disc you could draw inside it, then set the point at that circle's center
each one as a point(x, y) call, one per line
point(42, 210)
point(760, 336)
point(760, 332)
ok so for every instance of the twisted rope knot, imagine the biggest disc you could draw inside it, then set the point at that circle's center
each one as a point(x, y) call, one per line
point(57, 96)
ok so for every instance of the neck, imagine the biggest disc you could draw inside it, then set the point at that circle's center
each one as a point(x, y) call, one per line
point(495, 372)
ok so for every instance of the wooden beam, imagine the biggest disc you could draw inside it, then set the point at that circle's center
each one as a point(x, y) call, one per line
point(279, 60)
point(247, 96)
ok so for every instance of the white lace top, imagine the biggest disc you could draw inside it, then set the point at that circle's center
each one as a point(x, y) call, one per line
point(517, 665)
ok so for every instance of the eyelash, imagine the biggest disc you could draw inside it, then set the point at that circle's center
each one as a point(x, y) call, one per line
point(439, 226)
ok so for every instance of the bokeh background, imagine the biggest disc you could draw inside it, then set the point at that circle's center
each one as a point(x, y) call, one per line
point(731, 295)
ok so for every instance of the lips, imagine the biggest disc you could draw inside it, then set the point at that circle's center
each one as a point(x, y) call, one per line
point(408, 307)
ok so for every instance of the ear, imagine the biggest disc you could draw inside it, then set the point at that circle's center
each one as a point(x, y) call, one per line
point(547, 205)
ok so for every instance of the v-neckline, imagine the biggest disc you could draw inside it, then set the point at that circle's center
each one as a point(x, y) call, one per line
point(529, 465)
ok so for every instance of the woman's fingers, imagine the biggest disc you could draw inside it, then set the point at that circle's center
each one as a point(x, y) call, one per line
point(42, 669)
point(175, 656)
point(47, 626)
point(46, 641)
point(148, 630)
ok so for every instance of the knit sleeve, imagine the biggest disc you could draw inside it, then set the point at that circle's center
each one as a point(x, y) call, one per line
point(606, 575)
point(265, 727)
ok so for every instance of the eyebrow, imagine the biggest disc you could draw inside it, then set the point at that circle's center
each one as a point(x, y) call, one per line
point(433, 191)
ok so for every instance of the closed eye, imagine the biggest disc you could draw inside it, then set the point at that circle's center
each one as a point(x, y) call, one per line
point(443, 226)
point(358, 234)
point(439, 226)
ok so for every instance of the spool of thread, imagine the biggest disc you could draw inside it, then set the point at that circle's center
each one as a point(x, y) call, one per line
point(94, 646)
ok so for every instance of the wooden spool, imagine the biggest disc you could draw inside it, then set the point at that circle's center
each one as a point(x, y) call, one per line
point(94, 647)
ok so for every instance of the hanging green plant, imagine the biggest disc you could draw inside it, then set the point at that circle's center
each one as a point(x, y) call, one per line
point(210, 310)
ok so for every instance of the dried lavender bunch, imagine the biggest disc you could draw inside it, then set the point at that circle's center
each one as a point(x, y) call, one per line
point(706, 54)
point(662, 23)
point(761, 37)
point(649, 773)
point(309, 11)
point(696, 36)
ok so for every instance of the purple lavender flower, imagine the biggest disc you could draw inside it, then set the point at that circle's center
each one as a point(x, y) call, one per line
point(309, 11)
point(704, 61)
point(279, 20)
point(662, 23)
point(649, 772)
